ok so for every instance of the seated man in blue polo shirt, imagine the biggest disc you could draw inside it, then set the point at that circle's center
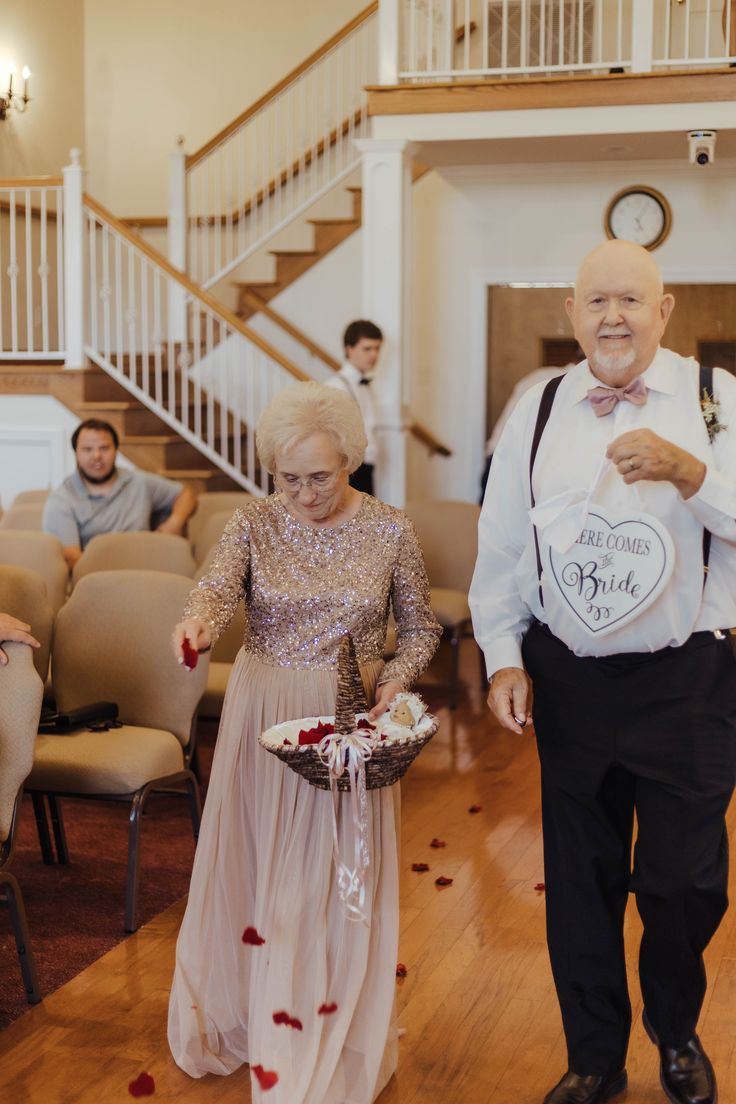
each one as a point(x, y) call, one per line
point(97, 498)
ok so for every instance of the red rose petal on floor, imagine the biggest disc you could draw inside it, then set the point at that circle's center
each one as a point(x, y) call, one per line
point(437, 843)
point(475, 808)
point(143, 1085)
point(295, 1023)
point(281, 1018)
point(539, 887)
point(420, 867)
point(252, 938)
point(266, 1078)
point(401, 970)
point(327, 1009)
point(190, 654)
point(443, 881)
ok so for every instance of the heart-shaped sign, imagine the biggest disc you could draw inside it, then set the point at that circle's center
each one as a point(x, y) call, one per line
point(617, 567)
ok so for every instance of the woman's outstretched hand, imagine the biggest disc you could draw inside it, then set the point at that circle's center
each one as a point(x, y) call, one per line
point(196, 632)
point(384, 695)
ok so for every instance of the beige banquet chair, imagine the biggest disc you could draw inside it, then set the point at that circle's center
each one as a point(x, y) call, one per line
point(24, 497)
point(23, 595)
point(209, 534)
point(24, 515)
point(135, 552)
point(41, 552)
point(21, 691)
point(448, 535)
point(113, 643)
point(214, 503)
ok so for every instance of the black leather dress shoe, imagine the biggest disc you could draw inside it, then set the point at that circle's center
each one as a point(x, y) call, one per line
point(686, 1074)
point(575, 1088)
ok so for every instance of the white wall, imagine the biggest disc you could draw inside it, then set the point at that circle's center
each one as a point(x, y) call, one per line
point(175, 67)
point(48, 37)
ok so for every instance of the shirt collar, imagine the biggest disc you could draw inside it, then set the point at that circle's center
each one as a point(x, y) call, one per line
point(352, 374)
point(657, 377)
point(80, 486)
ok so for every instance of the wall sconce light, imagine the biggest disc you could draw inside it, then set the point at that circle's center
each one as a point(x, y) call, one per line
point(13, 99)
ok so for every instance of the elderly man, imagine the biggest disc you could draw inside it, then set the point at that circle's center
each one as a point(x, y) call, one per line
point(600, 600)
point(97, 498)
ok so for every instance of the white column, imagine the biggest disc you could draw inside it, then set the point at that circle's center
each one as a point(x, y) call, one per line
point(386, 298)
point(177, 240)
point(74, 262)
point(388, 41)
point(642, 36)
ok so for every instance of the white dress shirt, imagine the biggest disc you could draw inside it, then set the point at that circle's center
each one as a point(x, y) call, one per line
point(504, 594)
point(348, 378)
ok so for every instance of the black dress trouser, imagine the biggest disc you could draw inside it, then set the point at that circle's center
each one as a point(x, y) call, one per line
point(646, 733)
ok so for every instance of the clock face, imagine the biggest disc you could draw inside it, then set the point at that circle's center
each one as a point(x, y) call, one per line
point(639, 215)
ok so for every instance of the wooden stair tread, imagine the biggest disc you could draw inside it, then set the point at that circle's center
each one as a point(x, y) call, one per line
point(256, 283)
point(294, 252)
point(335, 222)
point(150, 439)
point(105, 404)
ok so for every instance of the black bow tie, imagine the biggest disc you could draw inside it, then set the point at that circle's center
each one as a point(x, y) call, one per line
point(364, 381)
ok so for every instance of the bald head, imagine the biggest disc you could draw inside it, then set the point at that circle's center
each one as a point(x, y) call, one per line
point(619, 311)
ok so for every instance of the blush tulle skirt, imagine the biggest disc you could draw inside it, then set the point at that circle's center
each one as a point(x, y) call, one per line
point(264, 859)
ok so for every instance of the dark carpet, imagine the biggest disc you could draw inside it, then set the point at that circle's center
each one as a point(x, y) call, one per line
point(75, 912)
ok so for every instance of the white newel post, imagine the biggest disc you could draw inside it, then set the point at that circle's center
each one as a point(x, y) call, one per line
point(177, 241)
point(386, 298)
point(74, 262)
point(642, 36)
point(388, 41)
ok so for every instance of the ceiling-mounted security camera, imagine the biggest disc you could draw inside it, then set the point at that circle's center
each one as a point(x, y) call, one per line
point(702, 146)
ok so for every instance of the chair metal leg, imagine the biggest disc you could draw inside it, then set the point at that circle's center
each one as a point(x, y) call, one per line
point(57, 823)
point(454, 667)
point(195, 804)
point(42, 826)
point(22, 938)
point(134, 832)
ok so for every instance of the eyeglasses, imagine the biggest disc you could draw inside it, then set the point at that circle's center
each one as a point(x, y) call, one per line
point(322, 481)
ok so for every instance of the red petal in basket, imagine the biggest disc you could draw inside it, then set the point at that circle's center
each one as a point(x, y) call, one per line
point(143, 1085)
point(266, 1078)
point(401, 970)
point(437, 843)
point(316, 734)
point(252, 938)
point(327, 1009)
point(190, 654)
point(365, 723)
point(287, 1020)
point(420, 868)
point(443, 881)
point(287, 742)
point(475, 808)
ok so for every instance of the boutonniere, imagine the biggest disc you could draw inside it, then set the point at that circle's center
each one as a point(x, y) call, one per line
point(711, 409)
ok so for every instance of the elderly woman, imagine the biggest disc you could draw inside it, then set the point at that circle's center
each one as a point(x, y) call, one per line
point(312, 561)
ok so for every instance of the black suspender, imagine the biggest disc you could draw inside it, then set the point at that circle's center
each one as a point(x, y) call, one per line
point(545, 409)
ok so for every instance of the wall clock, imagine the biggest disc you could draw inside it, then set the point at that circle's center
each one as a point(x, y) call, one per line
point(639, 214)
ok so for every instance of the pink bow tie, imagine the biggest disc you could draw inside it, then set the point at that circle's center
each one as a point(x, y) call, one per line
point(604, 399)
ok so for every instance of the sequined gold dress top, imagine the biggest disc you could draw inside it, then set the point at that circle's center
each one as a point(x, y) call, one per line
point(265, 853)
point(306, 587)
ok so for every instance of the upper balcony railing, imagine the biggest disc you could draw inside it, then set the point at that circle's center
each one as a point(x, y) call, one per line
point(442, 40)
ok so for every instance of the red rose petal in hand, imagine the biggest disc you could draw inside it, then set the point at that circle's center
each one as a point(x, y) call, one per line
point(365, 723)
point(401, 970)
point(252, 938)
point(443, 881)
point(539, 887)
point(420, 868)
point(266, 1078)
point(191, 655)
point(327, 1009)
point(475, 808)
point(143, 1085)
point(437, 843)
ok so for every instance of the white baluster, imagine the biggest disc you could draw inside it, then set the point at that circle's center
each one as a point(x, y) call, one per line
point(388, 42)
point(642, 29)
point(28, 226)
point(74, 261)
point(13, 274)
point(177, 237)
point(43, 271)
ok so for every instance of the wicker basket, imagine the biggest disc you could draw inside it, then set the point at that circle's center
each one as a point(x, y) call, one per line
point(389, 760)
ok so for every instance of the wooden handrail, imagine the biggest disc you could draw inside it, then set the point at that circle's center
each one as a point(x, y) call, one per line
point(32, 182)
point(325, 48)
point(416, 428)
point(192, 289)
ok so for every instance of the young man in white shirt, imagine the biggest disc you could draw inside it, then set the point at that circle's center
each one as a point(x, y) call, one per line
point(640, 718)
point(362, 343)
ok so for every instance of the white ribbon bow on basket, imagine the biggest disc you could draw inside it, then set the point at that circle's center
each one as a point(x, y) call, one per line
point(352, 750)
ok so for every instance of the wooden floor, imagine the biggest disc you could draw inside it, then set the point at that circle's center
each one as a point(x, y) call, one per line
point(477, 1004)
